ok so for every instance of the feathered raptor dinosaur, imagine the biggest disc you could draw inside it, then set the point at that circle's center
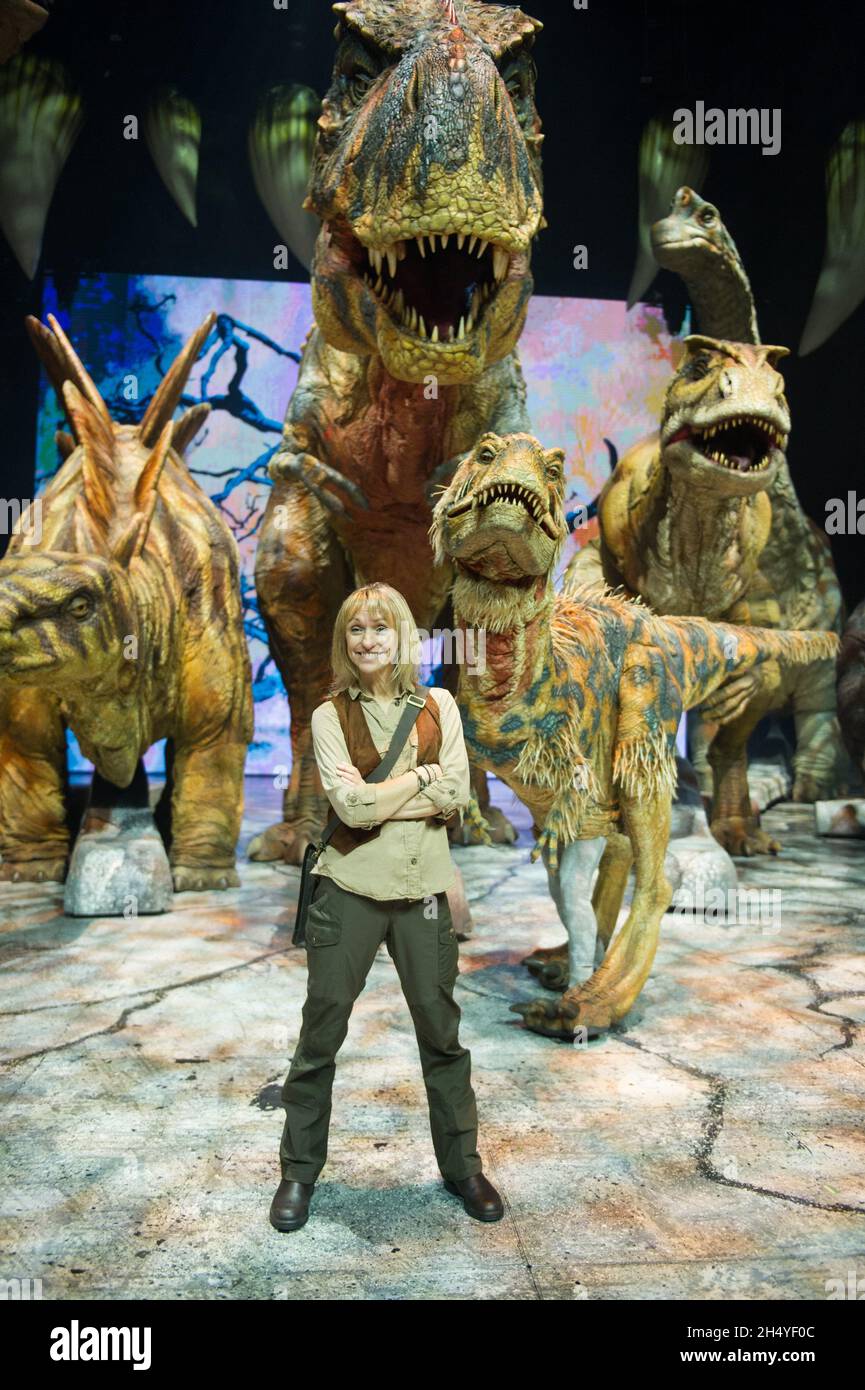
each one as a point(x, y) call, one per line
point(577, 711)
point(122, 621)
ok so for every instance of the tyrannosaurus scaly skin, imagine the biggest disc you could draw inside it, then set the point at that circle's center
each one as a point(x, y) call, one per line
point(427, 180)
point(578, 706)
point(122, 621)
point(698, 549)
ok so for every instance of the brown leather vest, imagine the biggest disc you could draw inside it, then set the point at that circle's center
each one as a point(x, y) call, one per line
point(364, 755)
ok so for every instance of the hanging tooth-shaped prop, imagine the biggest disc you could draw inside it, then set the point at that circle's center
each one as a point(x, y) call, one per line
point(19, 21)
point(40, 117)
point(172, 133)
point(281, 142)
point(841, 284)
point(664, 167)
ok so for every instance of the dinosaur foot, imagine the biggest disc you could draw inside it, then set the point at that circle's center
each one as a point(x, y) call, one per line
point(285, 841)
point(553, 972)
point(497, 825)
point(809, 788)
point(541, 955)
point(563, 1018)
point(193, 878)
point(742, 835)
point(33, 871)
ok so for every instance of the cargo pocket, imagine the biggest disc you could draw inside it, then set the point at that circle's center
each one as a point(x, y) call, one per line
point(448, 949)
point(323, 926)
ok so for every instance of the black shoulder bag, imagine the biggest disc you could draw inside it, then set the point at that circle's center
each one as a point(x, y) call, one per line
point(413, 706)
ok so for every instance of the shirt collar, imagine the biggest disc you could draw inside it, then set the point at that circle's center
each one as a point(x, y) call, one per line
point(355, 690)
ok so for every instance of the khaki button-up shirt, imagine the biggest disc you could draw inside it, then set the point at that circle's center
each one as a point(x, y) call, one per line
point(409, 858)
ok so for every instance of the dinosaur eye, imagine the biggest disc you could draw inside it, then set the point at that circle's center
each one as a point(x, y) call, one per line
point(707, 216)
point(697, 367)
point(80, 606)
point(359, 84)
point(486, 454)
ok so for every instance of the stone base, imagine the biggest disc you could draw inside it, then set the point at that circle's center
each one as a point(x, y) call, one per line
point(119, 867)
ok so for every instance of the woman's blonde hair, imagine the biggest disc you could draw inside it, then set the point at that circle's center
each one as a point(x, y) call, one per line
point(380, 601)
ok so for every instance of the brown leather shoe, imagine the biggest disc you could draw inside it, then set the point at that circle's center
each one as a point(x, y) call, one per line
point(290, 1206)
point(480, 1198)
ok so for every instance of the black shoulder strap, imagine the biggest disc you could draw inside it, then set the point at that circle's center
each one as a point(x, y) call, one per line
point(413, 706)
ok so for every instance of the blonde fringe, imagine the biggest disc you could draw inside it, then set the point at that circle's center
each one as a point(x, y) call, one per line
point(645, 767)
point(556, 762)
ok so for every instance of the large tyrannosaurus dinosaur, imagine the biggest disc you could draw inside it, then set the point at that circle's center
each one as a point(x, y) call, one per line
point(577, 711)
point(427, 180)
point(719, 537)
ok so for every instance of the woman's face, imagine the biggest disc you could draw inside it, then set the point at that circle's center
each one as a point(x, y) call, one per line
point(370, 643)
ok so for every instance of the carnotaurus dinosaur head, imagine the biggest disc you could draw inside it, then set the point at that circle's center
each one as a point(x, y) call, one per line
point(427, 178)
point(502, 519)
point(64, 620)
point(725, 421)
point(692, 235)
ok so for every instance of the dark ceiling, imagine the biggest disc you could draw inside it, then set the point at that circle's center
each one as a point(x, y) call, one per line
point(603, 72)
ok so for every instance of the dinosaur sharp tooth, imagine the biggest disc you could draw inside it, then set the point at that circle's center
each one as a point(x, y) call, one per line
point(399, 302)
point(501, 262)
point(378, 285)
point(461, 240)
point(434, 336)
point(482, 246)
point(370, 251)
point(414, 319)
point(461, 331)
point(391, 261)
point(445, 236)
point(450, 332)
point(472, 245)
point(420, 246)
point(422, 327)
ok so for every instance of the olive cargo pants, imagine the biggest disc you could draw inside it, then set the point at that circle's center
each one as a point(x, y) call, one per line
point(343, 933)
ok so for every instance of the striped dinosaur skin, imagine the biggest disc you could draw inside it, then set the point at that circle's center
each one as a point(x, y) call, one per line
point(578, 707)
point(123, 622)
point(427, 179)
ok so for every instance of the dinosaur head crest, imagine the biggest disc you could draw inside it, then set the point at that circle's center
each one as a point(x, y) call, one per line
point(427, 179)
point(726, 421)
point(502, 517)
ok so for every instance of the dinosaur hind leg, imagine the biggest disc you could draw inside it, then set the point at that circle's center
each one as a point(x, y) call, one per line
point(610, 887)
point(302, 577)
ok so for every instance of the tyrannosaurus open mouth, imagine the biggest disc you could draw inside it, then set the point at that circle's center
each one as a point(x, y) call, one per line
point(437, 285)
point(743, 443)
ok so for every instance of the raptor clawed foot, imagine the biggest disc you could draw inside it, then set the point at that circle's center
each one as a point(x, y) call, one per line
point(742, 835)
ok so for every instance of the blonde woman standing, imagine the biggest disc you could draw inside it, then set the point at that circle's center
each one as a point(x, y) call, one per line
point(383, 877)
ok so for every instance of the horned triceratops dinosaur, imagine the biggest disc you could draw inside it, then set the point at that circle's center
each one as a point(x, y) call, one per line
point(704, 518)
point(577, 711)
point(427, 179)
point(120, 618)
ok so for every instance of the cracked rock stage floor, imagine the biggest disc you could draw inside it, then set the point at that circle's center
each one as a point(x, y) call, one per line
point(711, 1147)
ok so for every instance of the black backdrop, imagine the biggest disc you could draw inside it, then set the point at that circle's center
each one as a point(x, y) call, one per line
point(603, 72)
